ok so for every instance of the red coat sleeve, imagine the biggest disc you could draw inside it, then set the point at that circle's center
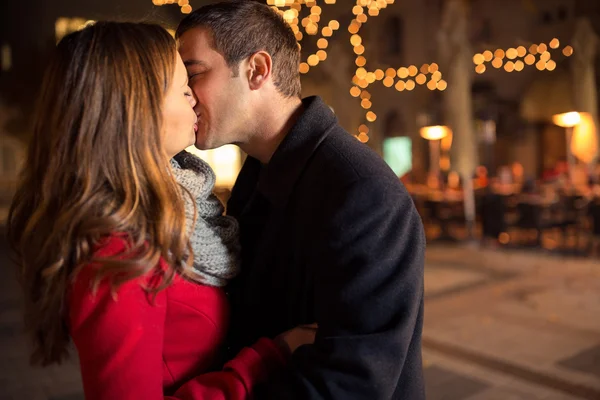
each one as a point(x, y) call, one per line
point(120, 342)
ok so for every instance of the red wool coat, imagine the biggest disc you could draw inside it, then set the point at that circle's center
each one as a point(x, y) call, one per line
point(134, 346)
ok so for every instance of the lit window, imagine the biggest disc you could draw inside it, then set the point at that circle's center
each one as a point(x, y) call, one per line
point(225, 161)
point(6, 57)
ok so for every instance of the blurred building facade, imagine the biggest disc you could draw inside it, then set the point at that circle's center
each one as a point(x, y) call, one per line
point(407, 33)
point(404, 34)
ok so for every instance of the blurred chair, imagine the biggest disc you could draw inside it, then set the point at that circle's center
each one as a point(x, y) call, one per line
point(493, 215)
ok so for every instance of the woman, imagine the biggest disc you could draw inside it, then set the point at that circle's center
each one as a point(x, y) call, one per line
point(98, 226)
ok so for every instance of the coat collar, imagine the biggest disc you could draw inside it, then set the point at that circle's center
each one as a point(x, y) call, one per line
point(277, 179)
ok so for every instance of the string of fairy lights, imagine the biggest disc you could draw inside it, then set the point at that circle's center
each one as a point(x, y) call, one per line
point(405, 78)
point(309, 25)
point(516, 59)
point(184, 5)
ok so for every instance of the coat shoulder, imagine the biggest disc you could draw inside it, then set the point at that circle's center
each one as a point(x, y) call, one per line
point(343, 160)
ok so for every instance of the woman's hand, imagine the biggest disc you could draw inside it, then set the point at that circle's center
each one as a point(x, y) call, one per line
point(289, 341)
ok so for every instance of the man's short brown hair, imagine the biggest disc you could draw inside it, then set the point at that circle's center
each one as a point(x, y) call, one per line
point(241, 28)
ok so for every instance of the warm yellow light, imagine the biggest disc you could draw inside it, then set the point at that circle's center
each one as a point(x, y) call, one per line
point(402, 72)
point(421, 79)
point(530, 59)
point(551, 65)
point(373, 12)
point(313, 60)
point(299, 36)
point(360, 49)
point(444, 163)
point(361, 73)
point(355, 40)
point(519, 65)
point(412, 70)
point(362, 18)
point(433, 67)
point(334, 25)
point(354, 27)
point(363, 128)
point(360, 61)
point(499, 53)
point(509, 66)
point(478, 59)
point(480, 69)
point(555, 43)
point(542, 47)
point(424, 68)
point(400, 86)
point(533, 49)
point(181, 3)
point(322, 43)
point(312, 29)
point(521, 51)
point(436, 132)
point(356, 10)
point(371, 77)
point(363, 137)
point(410, 84)
point(431, 85)
point(225, 161)
point(355, 91)
point(366, 104)
point(379, 74)
point(488, 55)
point(436, 76)
point(388, 82)
point(442, 85)
point(304, 67)
point(371, 116)
point(327, 32)
point(567, 120)
point(365, 95)
point(497, 63)
point(541, 65)
point(545, 56)
point(315, 10)
point(288, 15)
point(568, 51)
point(391, 72)
point(322, 54)
point(511, 53)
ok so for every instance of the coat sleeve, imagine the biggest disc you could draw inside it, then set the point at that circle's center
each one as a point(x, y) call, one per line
point(368, 299)
point(120, 341)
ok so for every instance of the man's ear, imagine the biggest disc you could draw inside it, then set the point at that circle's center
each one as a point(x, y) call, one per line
point(260, 66)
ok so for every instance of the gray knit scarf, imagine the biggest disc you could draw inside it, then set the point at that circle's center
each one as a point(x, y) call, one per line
point(215, 237)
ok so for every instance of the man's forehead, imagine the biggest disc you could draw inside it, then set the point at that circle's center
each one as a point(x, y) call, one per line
point(195, 37)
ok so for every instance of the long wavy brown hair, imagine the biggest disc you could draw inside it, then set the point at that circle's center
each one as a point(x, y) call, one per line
point(95, 167)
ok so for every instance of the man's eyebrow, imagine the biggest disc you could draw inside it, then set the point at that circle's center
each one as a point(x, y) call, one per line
point(189, 63)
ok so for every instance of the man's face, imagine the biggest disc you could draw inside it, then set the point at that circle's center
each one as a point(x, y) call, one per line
point(222, 100)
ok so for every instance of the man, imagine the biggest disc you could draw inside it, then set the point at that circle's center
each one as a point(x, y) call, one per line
point(329, 235)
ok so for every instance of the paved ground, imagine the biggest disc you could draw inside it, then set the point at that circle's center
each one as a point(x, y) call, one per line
point(499, 326)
